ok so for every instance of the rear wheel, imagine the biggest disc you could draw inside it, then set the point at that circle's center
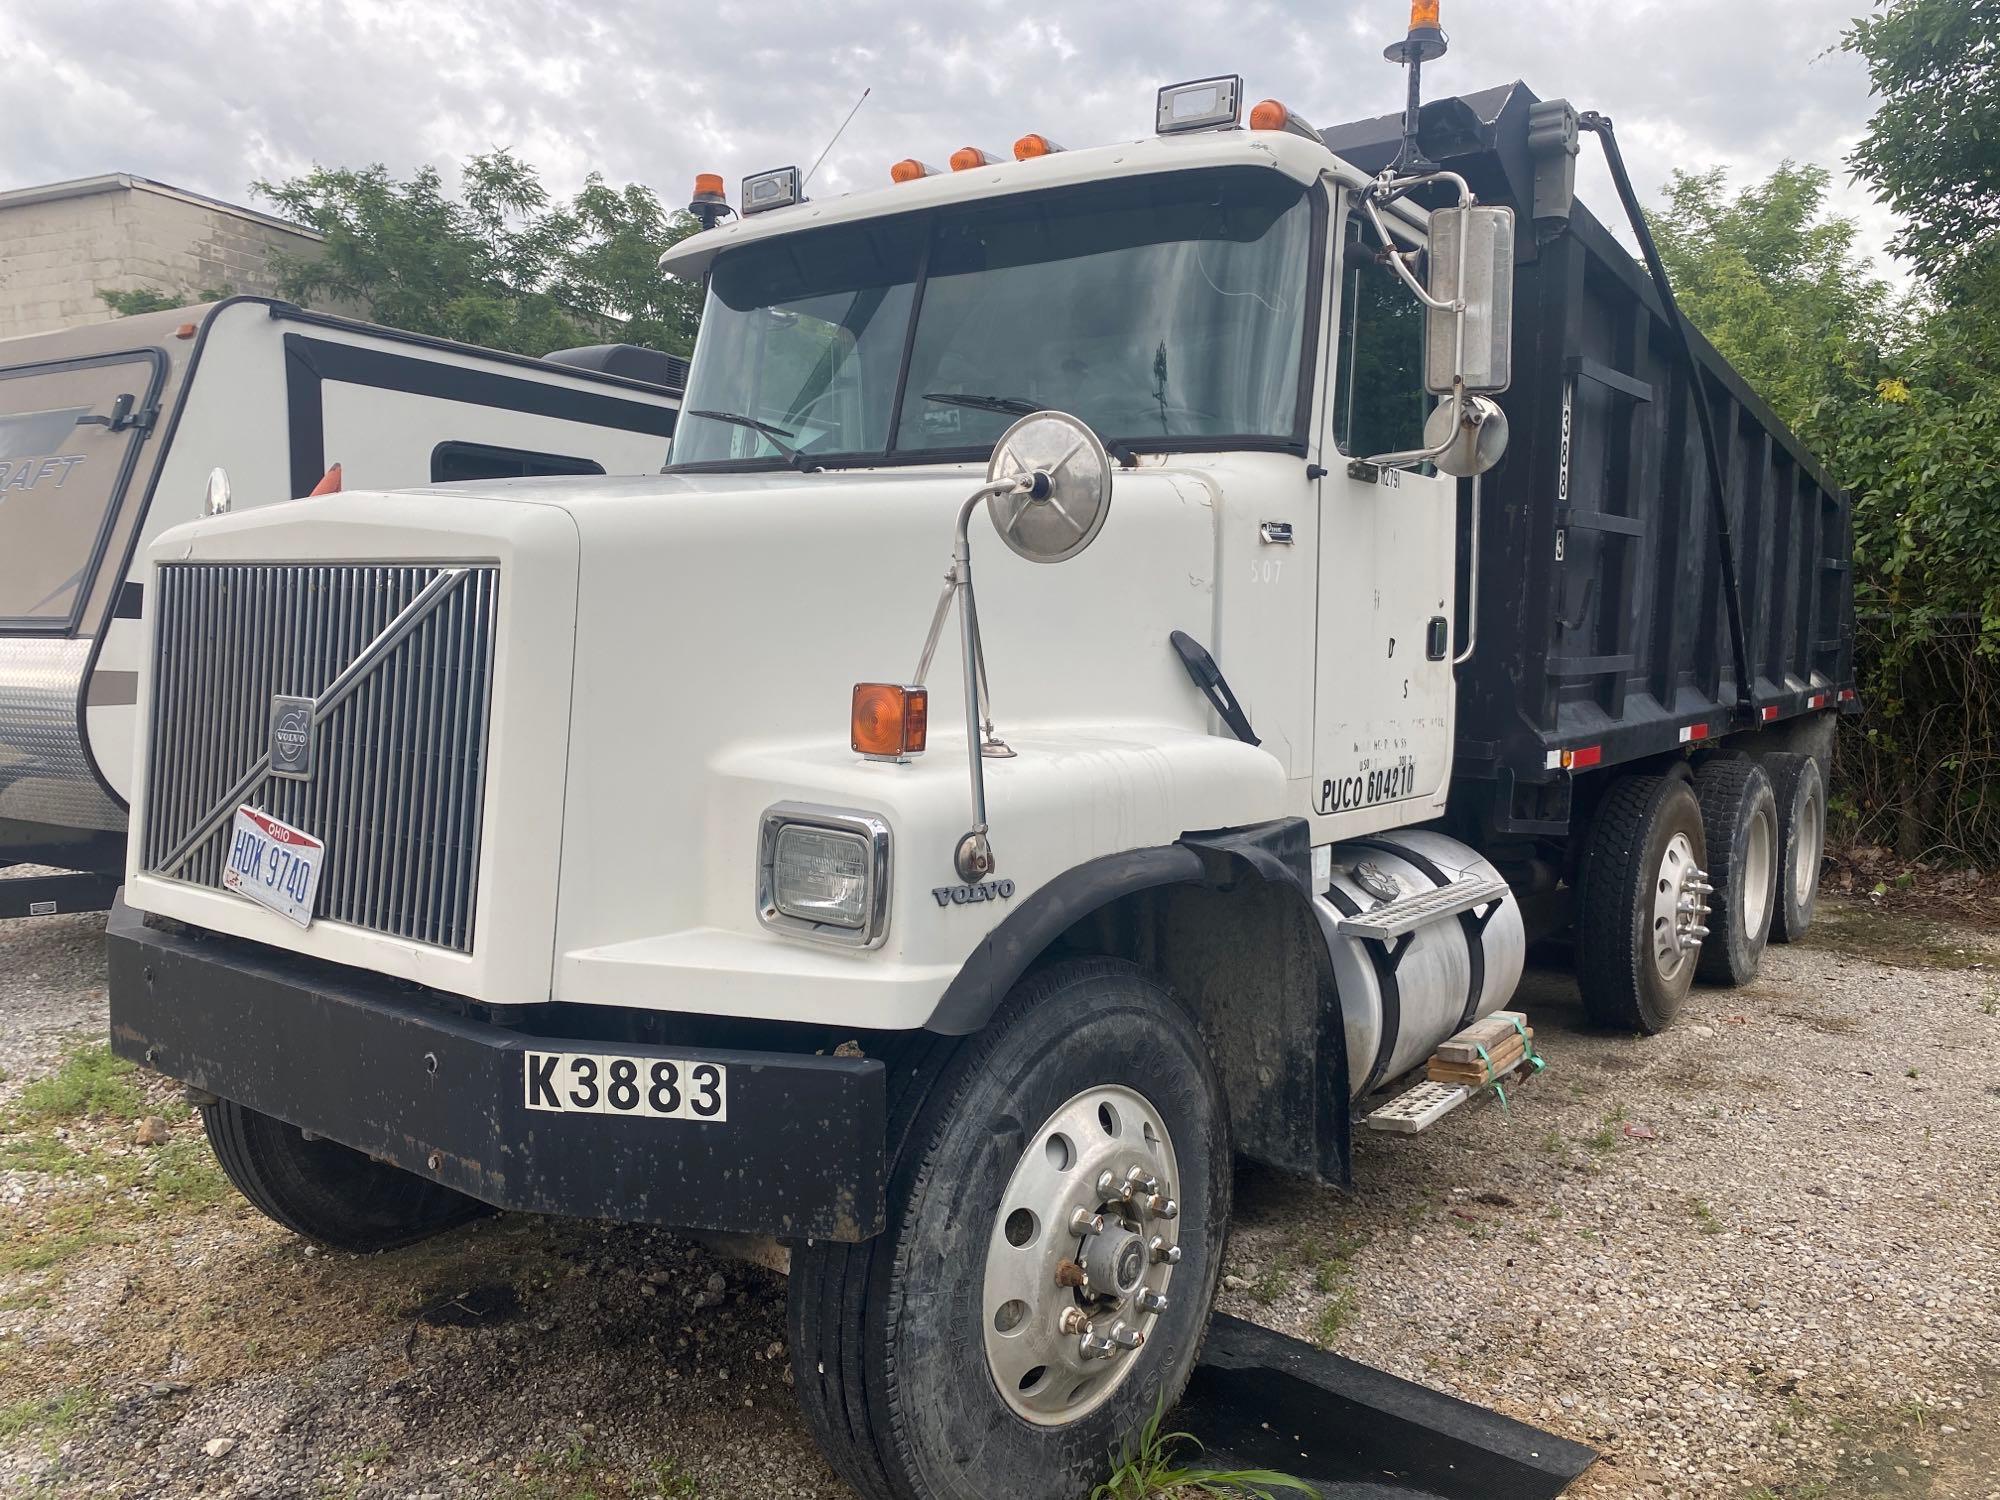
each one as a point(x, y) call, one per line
point(1801, 795)
point(1740, 817)
point(1059, 1192)
point(325, 1191)
point(1639, 913)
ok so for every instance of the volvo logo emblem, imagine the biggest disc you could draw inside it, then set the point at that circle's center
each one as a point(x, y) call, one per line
point(292, 737)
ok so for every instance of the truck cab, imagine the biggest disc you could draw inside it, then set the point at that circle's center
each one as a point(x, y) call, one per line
point(627, 848)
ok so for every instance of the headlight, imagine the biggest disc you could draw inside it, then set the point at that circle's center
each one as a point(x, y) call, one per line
point(823, 873)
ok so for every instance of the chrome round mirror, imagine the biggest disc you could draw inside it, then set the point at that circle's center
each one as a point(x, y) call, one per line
point(1479, 442)
point(1053, 527)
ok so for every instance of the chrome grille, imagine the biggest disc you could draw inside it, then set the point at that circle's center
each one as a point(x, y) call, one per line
point(398, 659)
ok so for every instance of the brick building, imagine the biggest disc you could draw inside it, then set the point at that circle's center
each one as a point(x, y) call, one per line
point(60, 245)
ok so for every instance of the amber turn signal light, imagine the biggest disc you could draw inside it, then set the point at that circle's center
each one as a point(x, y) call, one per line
point(1030, 146)
point(965, 158)
point(909, 169)
point(708, 185)
point(1423, 15)
point(889, 720)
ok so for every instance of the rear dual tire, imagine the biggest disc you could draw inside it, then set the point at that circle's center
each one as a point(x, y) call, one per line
point(900, 1344)
point(1801, 799)
point(1642, 859)
point(1739, 814)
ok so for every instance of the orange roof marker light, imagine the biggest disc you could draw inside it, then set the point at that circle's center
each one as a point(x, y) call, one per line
point(909, 169)
point(1269, 114)
point(329, 483)
point(1028, 147)
point(710, 203)
point(966, 158)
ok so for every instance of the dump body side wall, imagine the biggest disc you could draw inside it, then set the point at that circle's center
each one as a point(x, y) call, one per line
point(1602, 621)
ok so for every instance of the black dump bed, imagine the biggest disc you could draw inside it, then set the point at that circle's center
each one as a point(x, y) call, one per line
point(1602, 622)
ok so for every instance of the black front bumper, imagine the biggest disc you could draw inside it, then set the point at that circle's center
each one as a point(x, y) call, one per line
point(362, 1061)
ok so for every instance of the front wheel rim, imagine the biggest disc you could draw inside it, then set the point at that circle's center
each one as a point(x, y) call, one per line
point(1081, 1256)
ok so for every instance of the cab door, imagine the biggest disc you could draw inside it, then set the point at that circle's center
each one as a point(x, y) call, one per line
point(1383, 690)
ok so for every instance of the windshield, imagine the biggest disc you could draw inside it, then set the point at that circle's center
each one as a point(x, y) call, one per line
point(1159, 309)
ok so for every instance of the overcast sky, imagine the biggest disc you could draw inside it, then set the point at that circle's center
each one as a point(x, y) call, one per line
point(212, 94)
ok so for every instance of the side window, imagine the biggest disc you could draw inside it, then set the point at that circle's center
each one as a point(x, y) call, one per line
point(1380, 401)
point(461, 463)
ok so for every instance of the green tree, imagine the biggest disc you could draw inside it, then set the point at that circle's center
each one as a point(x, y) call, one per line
point(1776, 285)
point(1932, 151)
point(501, 264)
point(143, 299)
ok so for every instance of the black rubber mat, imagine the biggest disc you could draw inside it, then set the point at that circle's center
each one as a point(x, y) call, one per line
point(1260, 1400)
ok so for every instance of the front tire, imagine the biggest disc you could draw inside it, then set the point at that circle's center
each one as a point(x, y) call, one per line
point(1638, 910)
point(901, 1345)
point(325, 1191)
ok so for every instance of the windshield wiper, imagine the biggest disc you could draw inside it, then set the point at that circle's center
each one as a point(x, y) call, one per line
point(778, 437)
point(1007, 406)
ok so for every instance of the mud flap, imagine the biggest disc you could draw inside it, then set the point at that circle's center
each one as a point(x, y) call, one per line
point(1261, 1400)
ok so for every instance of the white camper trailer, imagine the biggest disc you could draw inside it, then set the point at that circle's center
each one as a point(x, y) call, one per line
point(110, 435)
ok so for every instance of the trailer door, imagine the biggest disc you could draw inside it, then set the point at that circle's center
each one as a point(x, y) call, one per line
point(69, 433)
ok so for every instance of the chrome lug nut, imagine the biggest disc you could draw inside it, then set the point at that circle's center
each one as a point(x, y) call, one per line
point(1090, 1346)
point(1126, 1338)
point(1083, 1221)
point(1106, 1181)
point(1161, 1207)
point(1163, 1253)
point(1152, 1301)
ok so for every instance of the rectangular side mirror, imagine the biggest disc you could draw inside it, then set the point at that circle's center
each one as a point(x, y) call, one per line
point(1472, 258)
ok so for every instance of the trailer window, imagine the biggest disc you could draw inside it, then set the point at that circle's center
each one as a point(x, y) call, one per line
point(464, 463)
point(62, 469)
point(1380, 404)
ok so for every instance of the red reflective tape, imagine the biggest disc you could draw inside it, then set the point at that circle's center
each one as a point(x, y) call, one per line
point(1691, 732)
point(1588, 756)
point(1768, 713)
point(1817, 700)
point(1847, 695)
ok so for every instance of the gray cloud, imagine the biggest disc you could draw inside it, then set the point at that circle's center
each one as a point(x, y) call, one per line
point(210, 94)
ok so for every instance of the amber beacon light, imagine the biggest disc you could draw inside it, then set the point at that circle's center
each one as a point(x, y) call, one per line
point(889, 721)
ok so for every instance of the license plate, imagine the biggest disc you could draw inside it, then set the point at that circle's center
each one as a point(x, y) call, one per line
point(646, 1088)
point(274, 864)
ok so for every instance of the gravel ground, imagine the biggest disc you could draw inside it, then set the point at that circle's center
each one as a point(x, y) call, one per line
point(1757, 1257)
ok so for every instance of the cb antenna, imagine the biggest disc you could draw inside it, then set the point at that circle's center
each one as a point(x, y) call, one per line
point(1425, 43)
point(837, 135)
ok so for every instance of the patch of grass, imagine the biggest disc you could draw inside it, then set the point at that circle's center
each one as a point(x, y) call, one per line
point(1338, 1262)
point(1605, 1139)
point(1704, 1217)
point(670, 1480)
point(1552, 1142)
point(51, 1418)
point(1334, 1317)
point(1148, 1466)
point(90, 1084)
point(1856, 930)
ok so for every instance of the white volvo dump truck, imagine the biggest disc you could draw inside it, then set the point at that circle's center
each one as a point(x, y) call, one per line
point(676, 849)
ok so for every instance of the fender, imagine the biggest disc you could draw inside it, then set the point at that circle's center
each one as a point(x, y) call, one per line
point(1279, 851)
point(1289, 1117)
